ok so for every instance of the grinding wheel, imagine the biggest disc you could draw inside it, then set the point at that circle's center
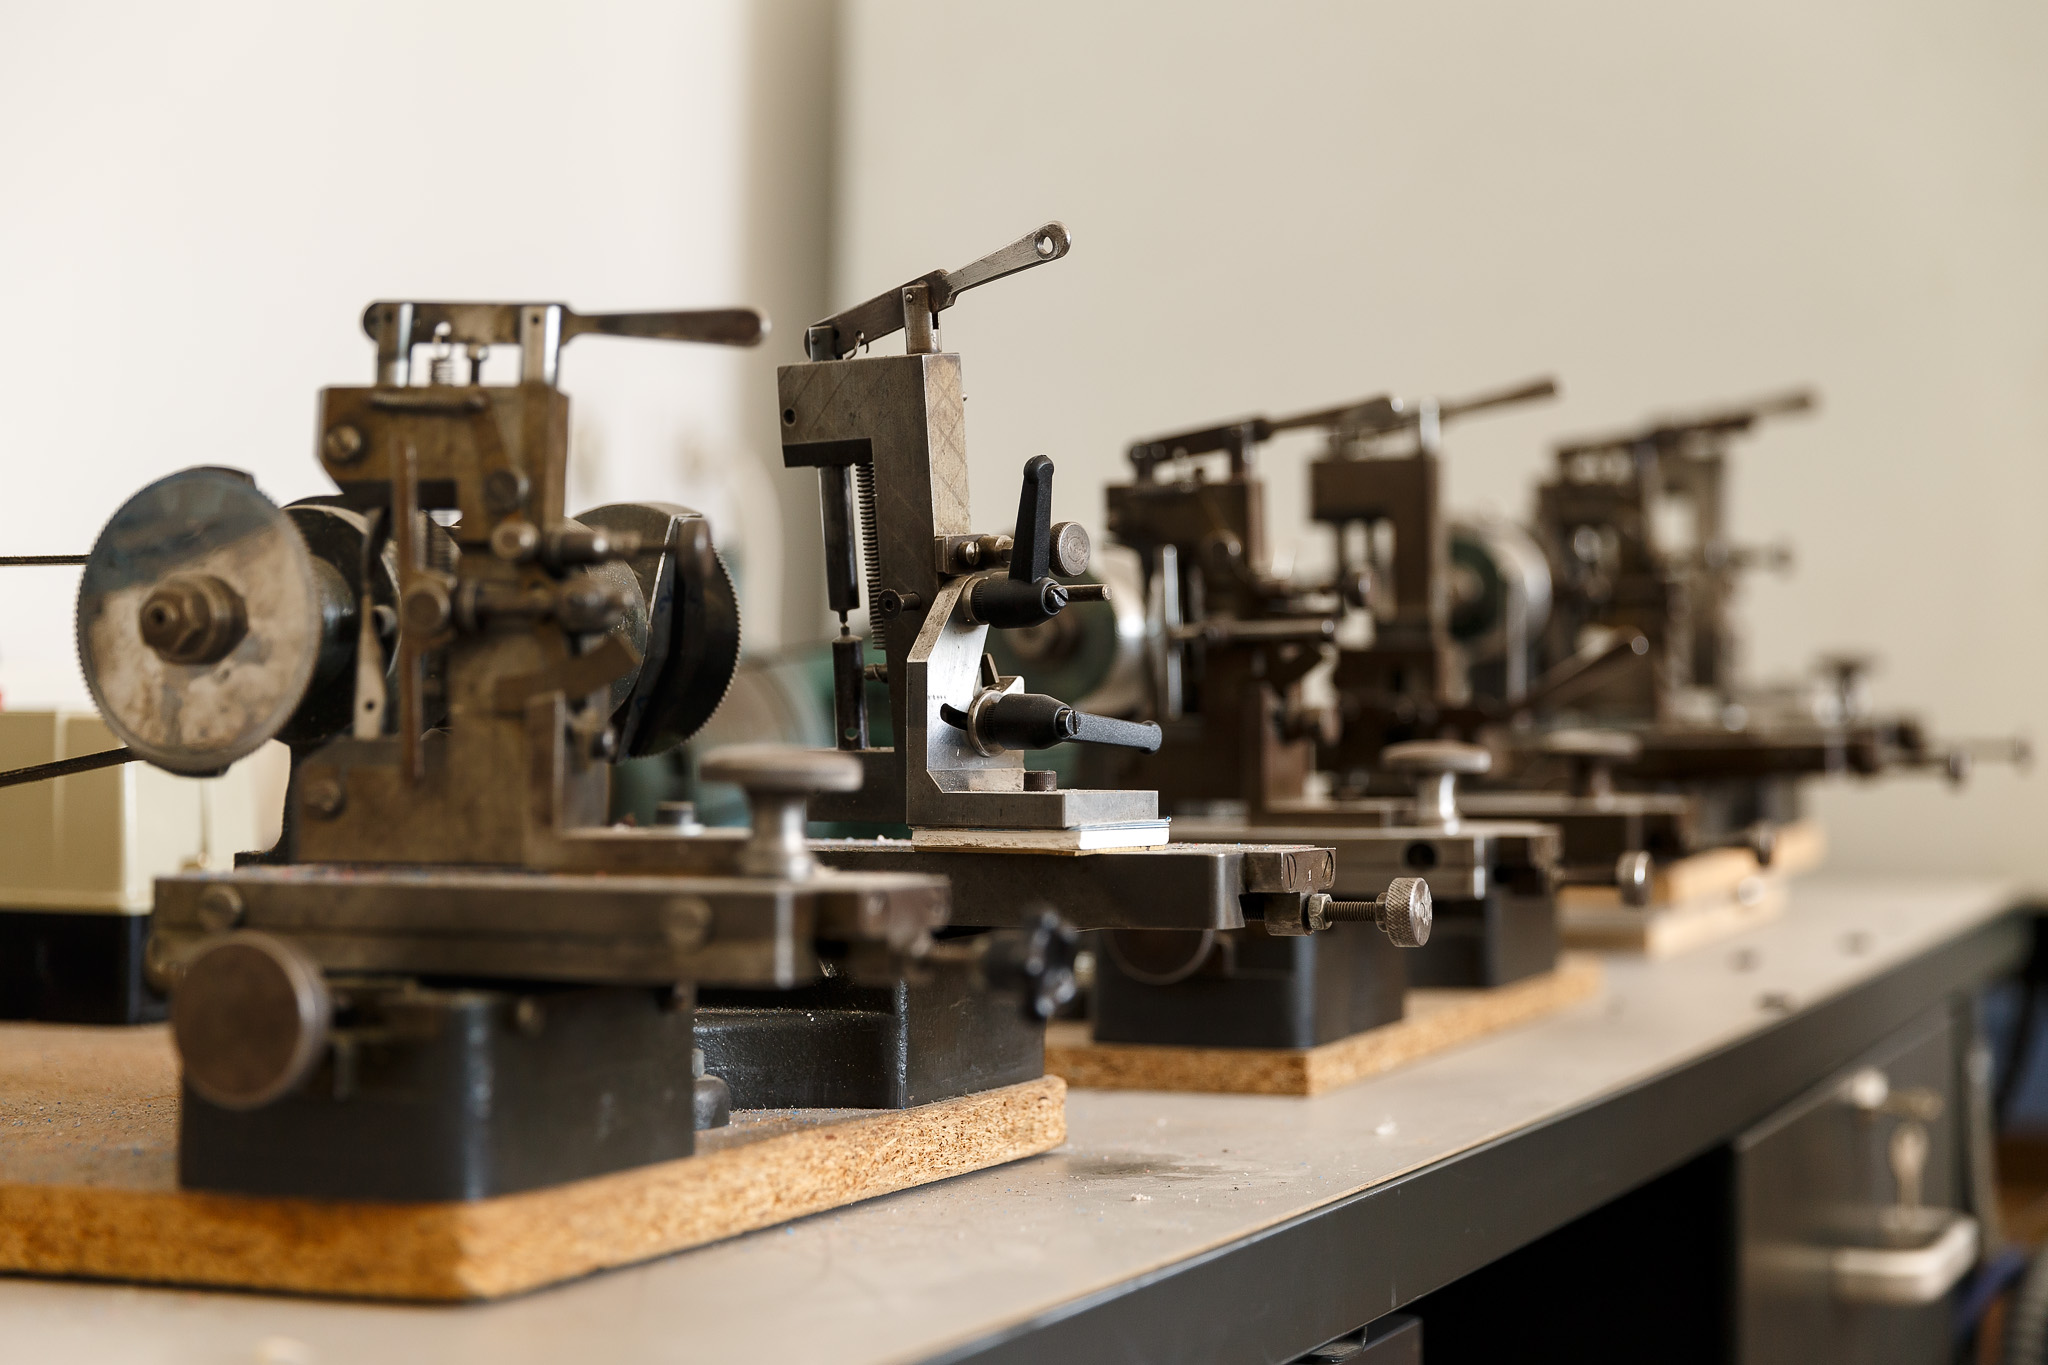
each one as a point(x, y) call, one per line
point(199, 621)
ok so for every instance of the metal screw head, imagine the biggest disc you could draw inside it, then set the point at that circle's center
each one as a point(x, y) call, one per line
point(221, 909)
point(515, 540)
point(427, 607)
point(506, 490)
point(325, 797)
point(529, 1017)
point(250, 1018)
point(1406, 912)
point(344, 444)
point(1070, 549)
point(685, 922)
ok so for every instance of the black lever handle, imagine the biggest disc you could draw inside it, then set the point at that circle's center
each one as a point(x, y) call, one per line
point(1032, 720)
point(1030, 596)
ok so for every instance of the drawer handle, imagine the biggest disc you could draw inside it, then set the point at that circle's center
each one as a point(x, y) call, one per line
point(1910, 1275)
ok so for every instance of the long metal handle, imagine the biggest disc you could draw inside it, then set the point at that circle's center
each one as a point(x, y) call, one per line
point(1527, 392)
point(402, 324)
point(1907, 1275)
point(864, 324)
point(1047, 243)
point(719, 326)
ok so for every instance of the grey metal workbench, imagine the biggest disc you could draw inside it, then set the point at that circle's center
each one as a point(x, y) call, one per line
point(1193, 1228)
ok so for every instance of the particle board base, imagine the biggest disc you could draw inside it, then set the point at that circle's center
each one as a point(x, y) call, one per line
point(1436, 1021)
point(1662, 930)
point(88, 1187)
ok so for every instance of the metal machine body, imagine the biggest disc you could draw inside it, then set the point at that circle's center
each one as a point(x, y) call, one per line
point(1634, 526)
point(1492, 880)
point(452, 979)
point(887, 435)
point(1242, 738)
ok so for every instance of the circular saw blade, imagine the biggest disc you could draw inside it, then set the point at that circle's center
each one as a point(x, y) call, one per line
point(197, 718)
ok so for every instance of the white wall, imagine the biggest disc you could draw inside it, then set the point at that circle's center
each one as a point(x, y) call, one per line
point(197, 200)
point(1286, 204)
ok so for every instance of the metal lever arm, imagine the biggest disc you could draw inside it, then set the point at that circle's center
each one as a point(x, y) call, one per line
point(1724, 422)
point(500, 324)
point(1030, 596)
point(1032, 720)
point(844, 333)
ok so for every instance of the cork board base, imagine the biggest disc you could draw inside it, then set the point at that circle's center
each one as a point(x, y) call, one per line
point(1436, 1020)
point(88, 1186)
point(1661, 931)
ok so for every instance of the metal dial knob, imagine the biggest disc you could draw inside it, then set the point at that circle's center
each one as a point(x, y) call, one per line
point(250, 1017)
point(1436, 765)
point(777, 778)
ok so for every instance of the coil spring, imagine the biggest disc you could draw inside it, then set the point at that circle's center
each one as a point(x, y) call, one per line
point(441, 362)
point(870, 543)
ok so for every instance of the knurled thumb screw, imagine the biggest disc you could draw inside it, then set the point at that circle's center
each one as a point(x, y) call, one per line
point(1403, 911)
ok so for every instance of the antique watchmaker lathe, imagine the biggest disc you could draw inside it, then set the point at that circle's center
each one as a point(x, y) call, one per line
point(1242, 740)
point(451, 979)
point(1634, 526)
point(1259, 955)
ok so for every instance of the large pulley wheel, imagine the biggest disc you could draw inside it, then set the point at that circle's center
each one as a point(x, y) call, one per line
point(691, 644)
point(199, 621)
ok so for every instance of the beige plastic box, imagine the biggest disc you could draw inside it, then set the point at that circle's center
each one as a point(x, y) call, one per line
point(93, 843)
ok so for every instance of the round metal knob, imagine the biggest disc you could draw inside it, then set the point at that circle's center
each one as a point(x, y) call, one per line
point(250, 1017)
point(1430, 756)
point(1406, 910)
point(1618, 746)
point(1632, 872)
point(777, 778)
point(1594, 755)
point(1436, 765)
point(1070, 549)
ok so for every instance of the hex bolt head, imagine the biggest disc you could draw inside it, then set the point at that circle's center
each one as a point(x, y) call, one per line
point(192, 619)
